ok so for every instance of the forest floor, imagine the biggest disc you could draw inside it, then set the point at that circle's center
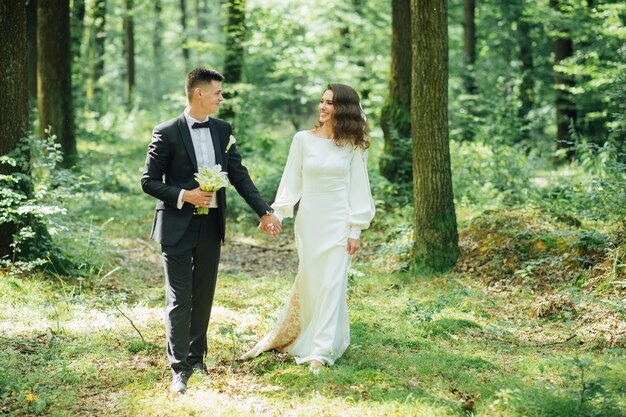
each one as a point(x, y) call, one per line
point(528, 324)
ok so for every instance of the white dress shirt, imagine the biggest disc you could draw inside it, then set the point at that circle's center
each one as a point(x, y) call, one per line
point(203, 148)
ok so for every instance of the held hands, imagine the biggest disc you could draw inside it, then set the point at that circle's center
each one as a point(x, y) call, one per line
point(198, 198)
point(353, 246)
point(270, 224)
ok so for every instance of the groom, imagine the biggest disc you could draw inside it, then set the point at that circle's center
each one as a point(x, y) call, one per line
point(190, 242)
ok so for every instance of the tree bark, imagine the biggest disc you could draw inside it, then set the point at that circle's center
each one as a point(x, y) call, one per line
point(77, 29)
point(435, 229)
point(96, 54)
point(157, 46)
point(31, 49)
point(527, 67)
point(13, 88)
point(469, 44)
point(14, 93)
point(469, 62)
point(183, 22)
point(201, 8)
point(78, 25)
point(395, 117)
point(54, 78)
point(129, 51)
point(562, 48)
point(235, 33)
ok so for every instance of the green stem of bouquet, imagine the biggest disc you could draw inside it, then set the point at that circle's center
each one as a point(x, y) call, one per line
point(205, 210)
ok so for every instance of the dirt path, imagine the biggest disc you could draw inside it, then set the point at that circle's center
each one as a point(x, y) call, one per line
point(245, 255)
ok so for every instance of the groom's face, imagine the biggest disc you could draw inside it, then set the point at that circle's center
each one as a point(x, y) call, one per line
point(209, 96)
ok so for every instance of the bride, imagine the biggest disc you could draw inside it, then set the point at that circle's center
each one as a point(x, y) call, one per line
point(326, 172)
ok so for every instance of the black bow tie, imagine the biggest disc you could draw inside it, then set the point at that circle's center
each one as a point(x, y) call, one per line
point(201, 125)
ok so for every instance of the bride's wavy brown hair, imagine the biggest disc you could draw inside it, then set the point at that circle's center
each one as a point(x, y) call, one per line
point(350, 126)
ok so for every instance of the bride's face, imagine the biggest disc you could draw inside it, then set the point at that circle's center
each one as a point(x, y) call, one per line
point(327, 107)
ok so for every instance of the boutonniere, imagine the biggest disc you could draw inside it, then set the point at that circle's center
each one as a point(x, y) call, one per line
point(231, 142)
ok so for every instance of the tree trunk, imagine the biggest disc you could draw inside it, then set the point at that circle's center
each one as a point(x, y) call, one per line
point(235, 33)
point(527, 67)
point(14, 85)
point(31, 49)
point(469, 61)
point(562, 48)
point(78, 24)
point(469, 45)
point(395, 116)
point(129, 51)
point(54, 78)
point(201, 25)
point(157, 46)
point(183, 22)
point(14, 93)
point(96, 60)
point(435, 230)
point(77, 31)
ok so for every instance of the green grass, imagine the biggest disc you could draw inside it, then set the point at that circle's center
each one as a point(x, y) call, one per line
point(421, 345)
point(65, 352)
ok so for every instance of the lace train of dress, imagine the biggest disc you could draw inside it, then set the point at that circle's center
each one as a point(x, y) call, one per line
point(332, 186)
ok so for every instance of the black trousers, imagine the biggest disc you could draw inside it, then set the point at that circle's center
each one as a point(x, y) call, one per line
point(190, 278)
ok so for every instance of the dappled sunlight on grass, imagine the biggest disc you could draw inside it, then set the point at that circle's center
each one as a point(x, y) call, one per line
point(420, 346)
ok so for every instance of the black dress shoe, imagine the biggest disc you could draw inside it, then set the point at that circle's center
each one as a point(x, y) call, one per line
point(179, 384)
point(200, 369)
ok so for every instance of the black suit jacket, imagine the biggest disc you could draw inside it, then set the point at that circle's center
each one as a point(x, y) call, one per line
point(171, 165)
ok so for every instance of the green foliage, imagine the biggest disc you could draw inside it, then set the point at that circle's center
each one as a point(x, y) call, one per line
point(597, 66)
point(491, 175)
point(595, 190)
point(289, 61)
point(423, 312)
point(396, 163)
point(494, 113)
point(28, 205)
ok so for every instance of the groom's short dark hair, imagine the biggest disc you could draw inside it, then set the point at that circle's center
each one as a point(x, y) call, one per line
point(199, 76)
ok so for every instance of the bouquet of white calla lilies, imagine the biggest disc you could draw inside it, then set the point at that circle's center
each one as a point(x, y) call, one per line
point(211, 179)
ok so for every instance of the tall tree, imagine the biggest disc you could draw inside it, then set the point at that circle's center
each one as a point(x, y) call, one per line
point(14, 93)
point(469, 44)
point(78, 24)
point(469, 66)
point(201, 8)
point(395, 116)
point(563, 48)
point(235, 33)
point(157, 46)
point(129, 51)
point(54, 78)
point(31, 49)
point(96, 51)
point(527, 66)
point(435, 229)
point(183, 22)
point(77, 31)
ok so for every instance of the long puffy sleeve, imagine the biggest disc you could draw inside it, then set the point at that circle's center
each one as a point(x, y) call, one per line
point(290, 188)
point(362, 208)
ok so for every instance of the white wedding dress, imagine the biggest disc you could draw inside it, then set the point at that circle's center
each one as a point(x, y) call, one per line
point(332, 186)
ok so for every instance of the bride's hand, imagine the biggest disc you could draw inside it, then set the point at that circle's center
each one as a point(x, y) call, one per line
point(270, 224)
point(353, 245)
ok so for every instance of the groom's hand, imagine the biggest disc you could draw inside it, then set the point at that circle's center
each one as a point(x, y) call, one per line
point(198, 198)
point(270, 224)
